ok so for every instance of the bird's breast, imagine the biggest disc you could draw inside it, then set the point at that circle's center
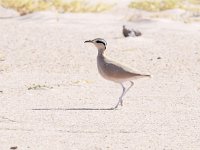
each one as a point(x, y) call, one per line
point(101, 66)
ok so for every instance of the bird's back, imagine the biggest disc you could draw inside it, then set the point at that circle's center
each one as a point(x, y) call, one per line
point(114, 71)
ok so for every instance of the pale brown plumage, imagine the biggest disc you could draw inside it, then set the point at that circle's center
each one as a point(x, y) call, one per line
point(116, 72)
point(112, 70)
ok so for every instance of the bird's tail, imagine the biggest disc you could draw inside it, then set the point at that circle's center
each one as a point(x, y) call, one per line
point(138, 76)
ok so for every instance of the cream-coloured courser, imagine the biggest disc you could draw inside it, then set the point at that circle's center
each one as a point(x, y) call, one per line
point(114, 71)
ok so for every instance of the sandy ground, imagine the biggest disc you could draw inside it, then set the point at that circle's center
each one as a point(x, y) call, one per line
point(161, 113)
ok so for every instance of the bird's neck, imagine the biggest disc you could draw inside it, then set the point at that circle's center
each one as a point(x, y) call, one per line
point(101, 52)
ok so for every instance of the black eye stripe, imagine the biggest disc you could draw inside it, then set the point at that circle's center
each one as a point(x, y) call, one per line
point(101, 42)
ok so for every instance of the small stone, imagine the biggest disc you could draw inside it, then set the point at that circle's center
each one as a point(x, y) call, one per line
point(158, 57)
point(13, 147)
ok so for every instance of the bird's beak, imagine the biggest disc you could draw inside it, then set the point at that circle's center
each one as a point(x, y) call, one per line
point(89, 41)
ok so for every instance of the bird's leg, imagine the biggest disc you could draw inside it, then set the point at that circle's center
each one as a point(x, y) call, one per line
point(132, 83)
point(123, 93)
point(120, 98)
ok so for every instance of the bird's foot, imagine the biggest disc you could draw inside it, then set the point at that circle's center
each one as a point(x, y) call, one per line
point(116, 106)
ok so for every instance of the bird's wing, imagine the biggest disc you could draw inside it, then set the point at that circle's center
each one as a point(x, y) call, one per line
point(118, 67)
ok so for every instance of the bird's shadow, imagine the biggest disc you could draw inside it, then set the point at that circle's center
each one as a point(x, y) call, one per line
point(67, 109)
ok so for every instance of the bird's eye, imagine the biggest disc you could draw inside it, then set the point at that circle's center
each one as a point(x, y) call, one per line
point(101, 42)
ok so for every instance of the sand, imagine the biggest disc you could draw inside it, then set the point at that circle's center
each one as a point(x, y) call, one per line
point(51, 91)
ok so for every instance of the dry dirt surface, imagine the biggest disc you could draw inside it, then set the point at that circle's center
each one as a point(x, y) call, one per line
point(52, 97)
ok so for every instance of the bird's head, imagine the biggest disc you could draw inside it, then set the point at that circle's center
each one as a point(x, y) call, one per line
point(99, 43)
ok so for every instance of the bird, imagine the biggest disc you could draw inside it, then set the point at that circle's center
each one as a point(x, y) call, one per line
point(114, 71)
point(130, 33)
